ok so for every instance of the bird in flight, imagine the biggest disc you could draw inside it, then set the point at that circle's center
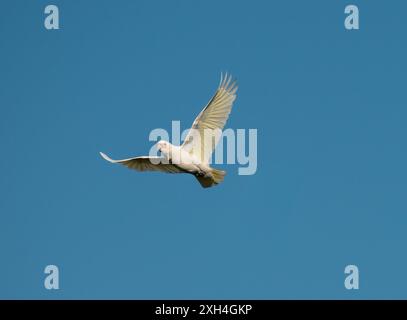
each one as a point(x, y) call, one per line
point(193, 155)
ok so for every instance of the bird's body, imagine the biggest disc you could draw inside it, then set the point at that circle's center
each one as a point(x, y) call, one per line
point(184, 160)
point(193, 155)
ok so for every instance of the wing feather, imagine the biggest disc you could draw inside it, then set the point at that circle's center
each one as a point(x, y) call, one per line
point(146, 163)
point(211, 120)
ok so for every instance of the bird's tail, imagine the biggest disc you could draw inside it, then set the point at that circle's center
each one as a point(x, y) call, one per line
point(218, 175)
point(213, 179)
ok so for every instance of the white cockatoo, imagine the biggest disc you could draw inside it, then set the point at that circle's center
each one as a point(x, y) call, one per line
point(194, 154)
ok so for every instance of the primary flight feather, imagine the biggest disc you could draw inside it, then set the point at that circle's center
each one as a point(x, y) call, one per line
point(193, 155)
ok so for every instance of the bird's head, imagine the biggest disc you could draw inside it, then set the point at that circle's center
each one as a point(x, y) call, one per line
point(163, 146)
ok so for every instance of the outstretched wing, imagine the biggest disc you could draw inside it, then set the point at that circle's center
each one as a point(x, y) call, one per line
point(207, 128)
point(146, 164)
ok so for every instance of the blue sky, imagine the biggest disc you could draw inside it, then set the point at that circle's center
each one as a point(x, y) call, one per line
point(330, 190)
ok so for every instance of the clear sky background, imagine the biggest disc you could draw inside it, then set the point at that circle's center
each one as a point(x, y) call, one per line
point(330, 190)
